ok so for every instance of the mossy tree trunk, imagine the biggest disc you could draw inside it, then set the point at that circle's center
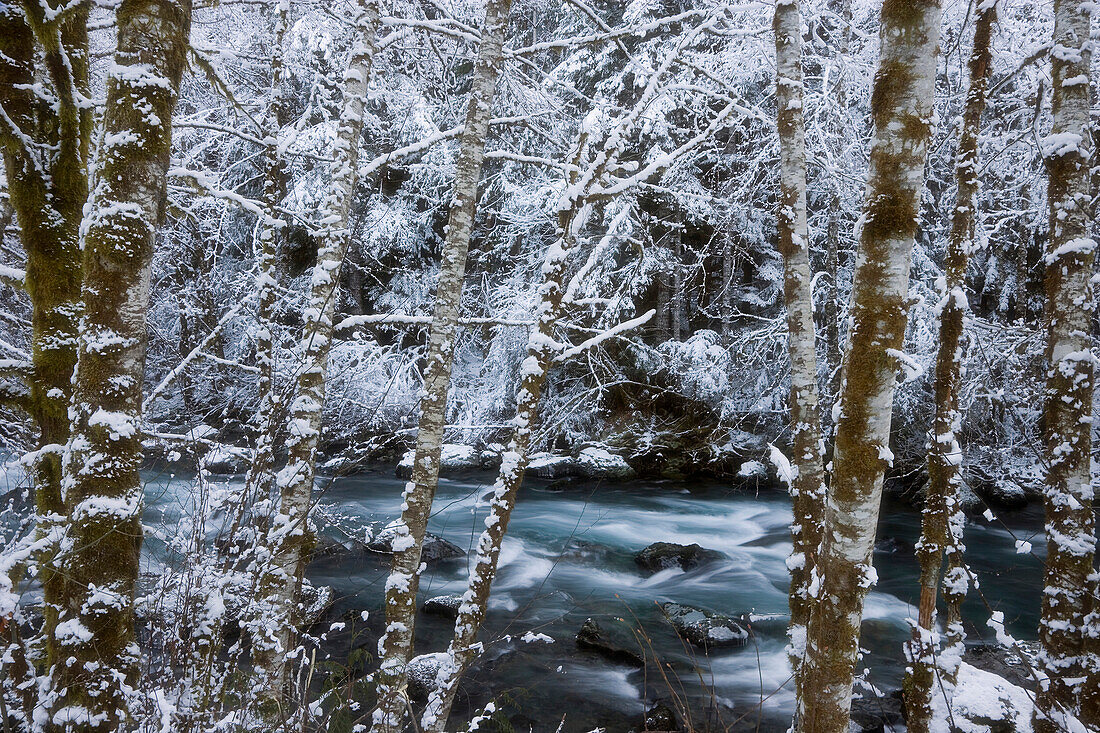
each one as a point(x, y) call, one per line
point(1070, 307)
point(902, 109)
point(289, 538)
point(404, 580)
point(97, 658)
point(48, 191)
point(807, 482)
point(933, 671)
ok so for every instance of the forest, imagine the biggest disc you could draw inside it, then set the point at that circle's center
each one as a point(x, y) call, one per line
point(549, 366)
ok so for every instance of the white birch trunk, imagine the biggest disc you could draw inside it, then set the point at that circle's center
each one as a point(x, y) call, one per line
point(289, 537)
point(97, 655)
point(807, 482)
point(395, 647)
point(1070, 308)
point(902, 108)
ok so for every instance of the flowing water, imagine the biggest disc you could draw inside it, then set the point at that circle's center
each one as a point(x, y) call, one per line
point(569, 556)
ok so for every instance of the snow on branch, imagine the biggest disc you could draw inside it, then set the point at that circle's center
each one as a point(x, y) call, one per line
point(409, 320)
point(196, 352)
point(201, 182)
point(12, 276)
point(913, 370)
point(422, 145)
point(604, 336)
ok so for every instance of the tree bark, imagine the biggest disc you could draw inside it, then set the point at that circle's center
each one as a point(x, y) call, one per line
point(807, 482)
point(902, 109)
point(1070, 307)
point(933, 671)
point(289, 538)
point(396, 646)
point(97, 658)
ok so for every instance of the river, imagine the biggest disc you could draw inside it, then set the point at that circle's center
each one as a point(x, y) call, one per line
point(569, 556)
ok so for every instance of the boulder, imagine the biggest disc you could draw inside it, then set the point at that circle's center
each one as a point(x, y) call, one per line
point(990, 702)
point(661, 718)
point(592, 638)
point(453, 458)
point(998, 491)
point(1008, 664)
point(877, 714)
point(663, 555)
point(599, 463)
point(436, 549)
point(422, 671)
point(753, 469)
point(446, 606)
point(225, 460)
point(548, 465)
point(705, 629)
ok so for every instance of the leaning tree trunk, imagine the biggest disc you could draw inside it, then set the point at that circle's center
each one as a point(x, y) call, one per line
point(807, 484)
point(541, 350)
point(933, 672)
point(902, 107)
point(1070, 307)
point(404, 580)
point(574, 208)
point(289, 538)
point(97, 655)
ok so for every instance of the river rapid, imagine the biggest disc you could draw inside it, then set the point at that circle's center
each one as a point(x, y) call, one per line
point(569, 556)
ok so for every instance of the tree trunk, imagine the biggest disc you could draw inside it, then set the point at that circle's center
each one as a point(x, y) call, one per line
point(726, 305)
point(541, 350)
point(832, 230)
point(902, 107)
point(49, 209)
point(397, 645)
point(807, 482)
point(1070, 306)
point(261, 473)
point(97, 655)
point(933, 672)
point(289, 538)
point(676, 246)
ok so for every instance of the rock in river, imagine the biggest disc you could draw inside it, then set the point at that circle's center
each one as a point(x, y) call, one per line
point(446, 606)
point(705, 628)
point(599, 463)
point(453, 458)
point(663, 555)
point(435, 549)
point(592, 638)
